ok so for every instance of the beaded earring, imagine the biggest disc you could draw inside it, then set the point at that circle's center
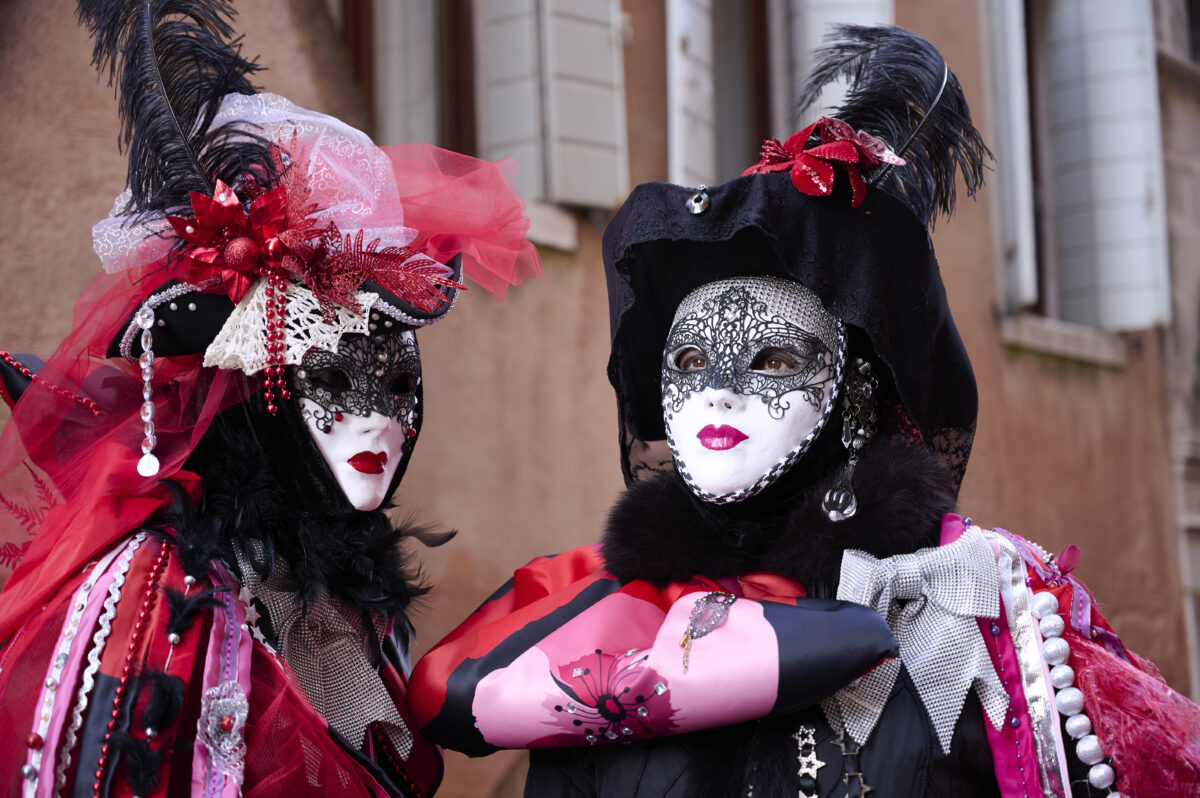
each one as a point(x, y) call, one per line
point(858, 425)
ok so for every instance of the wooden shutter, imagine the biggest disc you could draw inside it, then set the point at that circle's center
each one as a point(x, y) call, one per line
point(551, 95)
point(691, 128)
point(1106, 164)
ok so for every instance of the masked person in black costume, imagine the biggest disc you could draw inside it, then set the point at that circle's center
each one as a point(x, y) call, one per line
point(797, 410)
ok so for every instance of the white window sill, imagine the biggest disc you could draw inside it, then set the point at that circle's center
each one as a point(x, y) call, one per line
point(551, 226)
point(1063, 339)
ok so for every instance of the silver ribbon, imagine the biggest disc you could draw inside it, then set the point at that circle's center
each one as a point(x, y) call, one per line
point(931, 599)
point(328, 650)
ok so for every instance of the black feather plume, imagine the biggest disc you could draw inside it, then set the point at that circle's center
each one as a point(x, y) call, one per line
point(196, 533)
point(173, 62)
point(901, 86)
point(182, 610)
point(142, 763)
point(164, 700)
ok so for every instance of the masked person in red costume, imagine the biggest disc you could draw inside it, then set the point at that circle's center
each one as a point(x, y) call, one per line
point(784, 602)
point(208, 597)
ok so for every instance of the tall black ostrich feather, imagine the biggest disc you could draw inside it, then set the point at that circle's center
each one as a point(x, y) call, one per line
point(904, 93)
point(173, 61)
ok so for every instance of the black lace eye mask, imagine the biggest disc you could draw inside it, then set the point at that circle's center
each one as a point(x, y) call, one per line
point(378, 374)
point(733, 326)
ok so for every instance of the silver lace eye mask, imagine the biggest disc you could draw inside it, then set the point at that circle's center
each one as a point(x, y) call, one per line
point(732, 321)
point(367, 374)
point(763, 338)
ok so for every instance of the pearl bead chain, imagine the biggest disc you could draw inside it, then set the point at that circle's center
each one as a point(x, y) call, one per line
point(1069, 699)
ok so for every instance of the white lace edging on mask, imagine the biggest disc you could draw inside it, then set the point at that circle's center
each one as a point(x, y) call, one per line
point(242, 342)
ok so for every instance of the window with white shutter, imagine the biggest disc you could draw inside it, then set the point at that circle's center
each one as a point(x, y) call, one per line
point(407, 95)
point(1078, 140)
point(734, 71)
point(550, 91)
point(691, 114)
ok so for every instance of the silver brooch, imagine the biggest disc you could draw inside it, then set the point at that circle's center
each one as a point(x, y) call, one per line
point(698, 202)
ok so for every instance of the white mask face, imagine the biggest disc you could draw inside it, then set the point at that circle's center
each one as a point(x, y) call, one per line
point(749, 378)
point(359, 404)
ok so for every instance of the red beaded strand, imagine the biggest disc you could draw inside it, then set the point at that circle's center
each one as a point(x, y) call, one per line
point(385, 745)
point(135, 640)
point(25, 372)
point(276, 325)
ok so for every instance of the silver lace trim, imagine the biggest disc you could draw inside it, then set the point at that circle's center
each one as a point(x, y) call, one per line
point(89, 674)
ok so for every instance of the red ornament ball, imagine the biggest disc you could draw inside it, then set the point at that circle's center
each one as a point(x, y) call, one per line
point(226, 723)
point(34, 741)
point(241, 254)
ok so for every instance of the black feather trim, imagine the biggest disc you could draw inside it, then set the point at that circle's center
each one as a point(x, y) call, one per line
point(173, 62)
point(195, 535)
point(660, 532)
point(142, 763)
point(165, 699)
point(183, 609)
point(723, 759)
point(896, 77)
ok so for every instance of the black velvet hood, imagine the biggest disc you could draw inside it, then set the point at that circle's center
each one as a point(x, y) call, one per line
point(872, 266)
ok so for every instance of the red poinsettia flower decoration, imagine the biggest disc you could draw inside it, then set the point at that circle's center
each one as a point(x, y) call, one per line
point(225, 241)
point(812, 167)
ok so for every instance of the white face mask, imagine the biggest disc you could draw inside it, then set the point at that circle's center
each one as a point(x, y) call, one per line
point(359, 404)
point(749, 378)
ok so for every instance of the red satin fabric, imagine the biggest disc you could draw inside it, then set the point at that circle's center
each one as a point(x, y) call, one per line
point(70, 475)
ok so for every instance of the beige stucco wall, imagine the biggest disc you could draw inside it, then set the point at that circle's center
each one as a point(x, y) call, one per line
point(519, 451)
point(1066, 452)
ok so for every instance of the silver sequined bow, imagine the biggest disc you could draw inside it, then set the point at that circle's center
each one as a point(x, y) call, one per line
point(931, 600)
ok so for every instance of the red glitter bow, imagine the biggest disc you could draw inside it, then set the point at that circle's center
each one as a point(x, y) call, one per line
point(812, 167)
point(226, 242)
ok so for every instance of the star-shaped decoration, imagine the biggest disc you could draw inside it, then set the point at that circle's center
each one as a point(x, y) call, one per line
point(809, 764)
point(863, 787)
point(850, 753)
point(247, 599)
point(806, 743)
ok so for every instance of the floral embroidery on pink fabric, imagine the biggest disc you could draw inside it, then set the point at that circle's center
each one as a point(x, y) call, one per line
point(608, 698)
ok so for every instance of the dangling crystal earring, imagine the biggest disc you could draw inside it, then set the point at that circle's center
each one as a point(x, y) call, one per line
point(148, 465)
point(858, 425)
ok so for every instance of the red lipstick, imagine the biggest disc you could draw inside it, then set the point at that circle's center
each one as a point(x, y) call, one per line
point(720, 438)
point(368, 462)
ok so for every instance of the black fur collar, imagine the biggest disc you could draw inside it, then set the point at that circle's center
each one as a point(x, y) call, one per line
point(659, 531)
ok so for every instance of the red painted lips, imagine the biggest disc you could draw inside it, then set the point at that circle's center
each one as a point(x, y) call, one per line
point(720, 438)
point(368, 462)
